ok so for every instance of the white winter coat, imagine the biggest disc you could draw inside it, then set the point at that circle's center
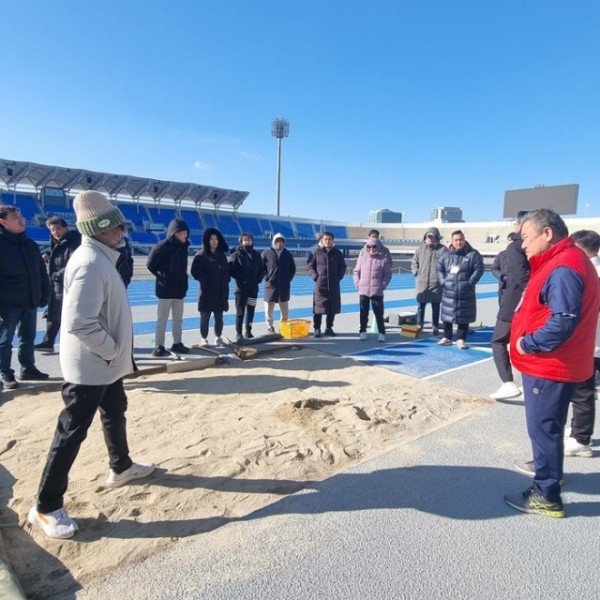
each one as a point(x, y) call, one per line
point(96, 345)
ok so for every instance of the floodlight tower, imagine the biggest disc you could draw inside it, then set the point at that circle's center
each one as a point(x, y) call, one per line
point(280, 128)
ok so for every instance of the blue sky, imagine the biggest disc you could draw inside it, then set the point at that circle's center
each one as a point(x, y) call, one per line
point(406, 105)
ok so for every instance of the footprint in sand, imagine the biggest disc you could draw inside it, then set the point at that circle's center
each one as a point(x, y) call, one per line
point(326, 454)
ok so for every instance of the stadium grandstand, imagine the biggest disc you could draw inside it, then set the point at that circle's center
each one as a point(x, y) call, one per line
point(42, 191)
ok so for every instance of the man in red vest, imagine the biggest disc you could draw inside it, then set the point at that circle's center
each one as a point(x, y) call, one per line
point(552, 344)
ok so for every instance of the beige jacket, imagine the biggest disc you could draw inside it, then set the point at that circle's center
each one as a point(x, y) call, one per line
point(96, 345)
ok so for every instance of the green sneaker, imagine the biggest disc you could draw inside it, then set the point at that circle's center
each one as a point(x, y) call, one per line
point(531, 501)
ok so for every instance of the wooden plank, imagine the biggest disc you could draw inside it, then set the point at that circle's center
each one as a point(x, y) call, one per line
point(191, 365)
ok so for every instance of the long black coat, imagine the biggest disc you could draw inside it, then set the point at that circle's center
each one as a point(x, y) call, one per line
point(168, 263)
point(517, 267)
point(327, 268)
point(247, 268)
point(24, 280)
point(458, 272)
point(60, 254)
point(212, 271)
point(279, 272)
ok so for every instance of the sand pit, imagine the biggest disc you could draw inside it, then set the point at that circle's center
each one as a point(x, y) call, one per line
point(226, 440)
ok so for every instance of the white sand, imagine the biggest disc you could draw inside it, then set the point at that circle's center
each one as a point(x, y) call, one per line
point(227, 441)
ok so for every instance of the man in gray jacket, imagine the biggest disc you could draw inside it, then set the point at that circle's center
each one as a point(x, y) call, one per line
point(96, 352)
point(424, 268)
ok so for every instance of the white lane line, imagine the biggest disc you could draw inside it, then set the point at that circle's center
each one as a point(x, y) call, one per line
point(477, 362)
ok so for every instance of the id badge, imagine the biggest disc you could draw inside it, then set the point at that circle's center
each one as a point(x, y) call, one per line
point(454, 269)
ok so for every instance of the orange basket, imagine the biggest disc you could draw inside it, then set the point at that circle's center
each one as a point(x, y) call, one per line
point(294, 328)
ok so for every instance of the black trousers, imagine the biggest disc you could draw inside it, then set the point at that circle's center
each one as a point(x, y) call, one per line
point(500, 340)
point(435, 314)
point(53, 315)
point(461, 330)
point(377, 303)
point(584, 408)
point(204, 321)
point(81, 403)
point(318, 320)
point(242, 308)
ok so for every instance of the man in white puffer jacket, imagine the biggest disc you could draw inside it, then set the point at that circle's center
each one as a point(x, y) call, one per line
point(96, 352)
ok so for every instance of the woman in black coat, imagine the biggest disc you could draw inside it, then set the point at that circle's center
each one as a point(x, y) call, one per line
point(210, 268)
point(458, 271)
point(326, 268)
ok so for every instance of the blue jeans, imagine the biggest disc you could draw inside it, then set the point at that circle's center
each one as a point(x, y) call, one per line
point(25, 319)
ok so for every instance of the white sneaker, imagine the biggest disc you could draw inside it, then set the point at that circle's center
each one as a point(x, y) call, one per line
point(462, 345)
point(363, 336)
point(135, 471)
point(381, 337)
point(56, 524)
point(445, 342)
point(219, 341)
point(574, 448)
point(204, 343)
point(506, 390)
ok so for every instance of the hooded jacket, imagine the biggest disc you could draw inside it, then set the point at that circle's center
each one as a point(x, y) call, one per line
point(327, 268)
point(517, 276)
point(168, 263)
point(372, 273)
point(60, 253)
point(458, 272)
point(212, 271)
point(246, 267)
point(96, 342)
point(279, 269)
point(24, 282)
point(424, 268)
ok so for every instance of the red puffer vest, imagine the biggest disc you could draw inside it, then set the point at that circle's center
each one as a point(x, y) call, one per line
point(572, 361)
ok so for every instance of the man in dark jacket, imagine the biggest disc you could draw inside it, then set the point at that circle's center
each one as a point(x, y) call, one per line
point(246, 267)
point(210, 268)
point(24, 286)
point(459, 271)
point(168, 263)
point(326, 268)
point(513, 279)
point(125, 262)
point(63, 244)
point(424, 268)
point(279, 269)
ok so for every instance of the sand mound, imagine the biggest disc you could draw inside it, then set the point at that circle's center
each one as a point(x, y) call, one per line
point(227, 441)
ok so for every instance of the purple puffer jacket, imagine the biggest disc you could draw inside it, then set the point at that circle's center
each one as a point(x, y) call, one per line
point(372, 274)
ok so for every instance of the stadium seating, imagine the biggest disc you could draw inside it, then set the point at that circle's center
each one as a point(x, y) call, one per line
point(209, 220)
point(250, 225)
point(26, 203)
point(162, 215)
point(143, 237)
point(228, 226)
point(283, 227)
point(135, 213)
point(305, 230)
point(192, 218)
point(38, 234)
point(265, 227)
point(338, 231)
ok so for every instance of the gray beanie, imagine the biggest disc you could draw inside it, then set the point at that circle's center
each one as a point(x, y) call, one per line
point(95, 213)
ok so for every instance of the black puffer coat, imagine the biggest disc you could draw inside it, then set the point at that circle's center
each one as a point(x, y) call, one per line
point(60, 254)
point(458, 272)
point(212, 271)
point(24, 280)
point(279, 272)
point(246, 267)
point(327, 268)
point(168, 263)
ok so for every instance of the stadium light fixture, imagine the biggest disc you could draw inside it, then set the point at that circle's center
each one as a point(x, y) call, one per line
point(280, 128)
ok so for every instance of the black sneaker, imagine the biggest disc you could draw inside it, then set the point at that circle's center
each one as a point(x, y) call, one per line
point(44, 346)
point(317, 333)
point(330, 332)
point(159, 351)
point(531, 501)
point(270, 329)
point(180, 348)
point(249, 335)
point(9, 382)
point(33, 374)
point(239, 337)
